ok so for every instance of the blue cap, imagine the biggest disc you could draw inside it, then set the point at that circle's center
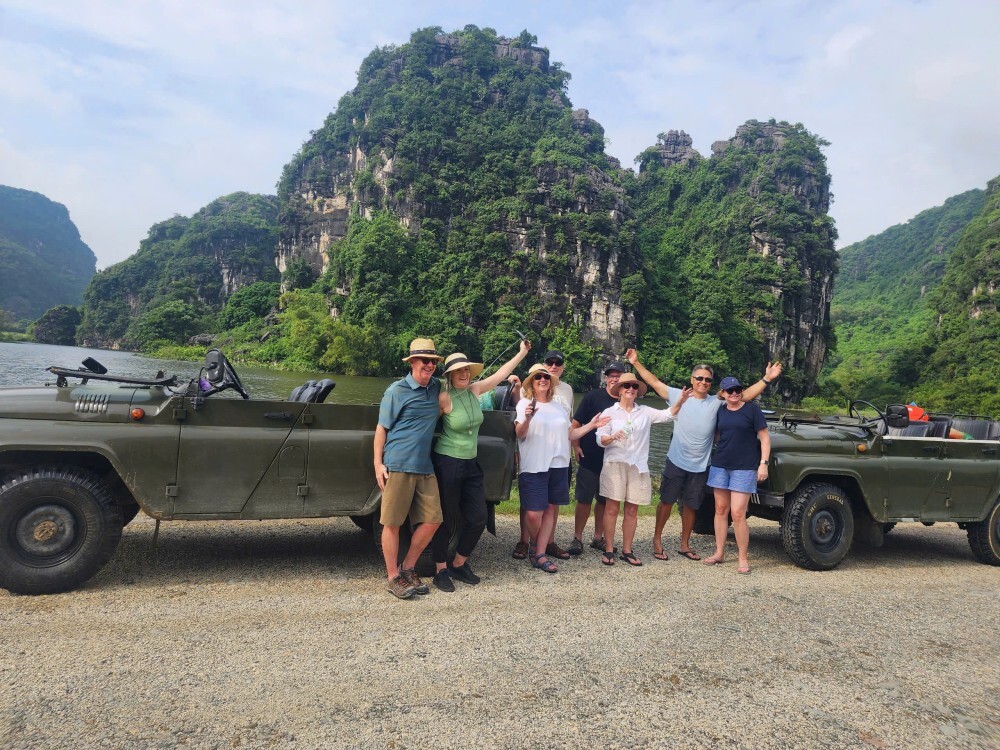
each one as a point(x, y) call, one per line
point(729, 382)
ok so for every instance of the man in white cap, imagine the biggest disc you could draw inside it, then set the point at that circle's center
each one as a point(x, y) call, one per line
point(403, 468)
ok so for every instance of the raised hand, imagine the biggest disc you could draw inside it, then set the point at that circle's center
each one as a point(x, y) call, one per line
point(632, 356)
point(773, 371)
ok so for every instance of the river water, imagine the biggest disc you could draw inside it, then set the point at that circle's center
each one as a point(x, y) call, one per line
point(24, 364)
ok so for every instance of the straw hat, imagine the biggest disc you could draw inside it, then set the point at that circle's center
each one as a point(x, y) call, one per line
point(422, 348)
point(533, 372)
point(458, 360)
point(625, 379)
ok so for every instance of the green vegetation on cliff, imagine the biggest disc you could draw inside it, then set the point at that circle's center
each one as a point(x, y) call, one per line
point(880, 304)
point(184, 271)
point(43, 261)
point(959, 366)
point(496, 174)
point(738, 251)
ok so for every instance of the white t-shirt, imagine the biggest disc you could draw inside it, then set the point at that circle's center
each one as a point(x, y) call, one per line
point(546, 445)
point(634, 449)
point(564, 395)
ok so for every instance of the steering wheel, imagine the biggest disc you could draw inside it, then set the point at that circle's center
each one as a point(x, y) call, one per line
point(233, 381)
point(854, 411)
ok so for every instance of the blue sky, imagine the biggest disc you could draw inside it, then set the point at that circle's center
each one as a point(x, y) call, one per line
point(131, 112)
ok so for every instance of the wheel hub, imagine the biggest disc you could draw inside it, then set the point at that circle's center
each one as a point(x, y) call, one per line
point(46, 530)
point(824, 527)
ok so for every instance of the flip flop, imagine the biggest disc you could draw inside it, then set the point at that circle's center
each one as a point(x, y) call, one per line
point(743, 570)
point(661, 555)
point(631, 559)
point(712, 561)
point(608, 558)
point(690, 554)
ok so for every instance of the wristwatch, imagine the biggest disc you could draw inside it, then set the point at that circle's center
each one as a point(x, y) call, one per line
point(764, 462)
point(766, 381)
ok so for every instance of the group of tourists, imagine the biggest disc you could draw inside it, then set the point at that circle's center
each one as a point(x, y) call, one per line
point(438, 484)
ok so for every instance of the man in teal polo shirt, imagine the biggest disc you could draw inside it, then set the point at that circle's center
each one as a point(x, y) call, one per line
point(403, 468)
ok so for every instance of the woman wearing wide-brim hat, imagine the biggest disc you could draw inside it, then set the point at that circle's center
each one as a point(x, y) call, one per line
point(544, 433)
point(460, 479)
point(625, 475)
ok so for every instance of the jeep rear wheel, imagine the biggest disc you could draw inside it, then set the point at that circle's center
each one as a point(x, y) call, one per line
point(57, 529)
point(818, 526)
point(984, 537)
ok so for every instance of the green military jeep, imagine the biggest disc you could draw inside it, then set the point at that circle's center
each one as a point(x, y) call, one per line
point(835, 479)
point(79, 458)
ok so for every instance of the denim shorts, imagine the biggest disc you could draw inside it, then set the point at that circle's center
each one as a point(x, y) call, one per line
point(540, 489)
point(737, 480)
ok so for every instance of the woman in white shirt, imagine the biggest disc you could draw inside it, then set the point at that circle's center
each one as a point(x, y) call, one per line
point(543, 434)
point(625, 476)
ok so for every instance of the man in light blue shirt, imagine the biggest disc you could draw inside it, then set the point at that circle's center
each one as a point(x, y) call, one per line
point(686, 469)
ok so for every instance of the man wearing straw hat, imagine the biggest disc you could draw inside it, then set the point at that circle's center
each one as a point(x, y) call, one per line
point(407, 417)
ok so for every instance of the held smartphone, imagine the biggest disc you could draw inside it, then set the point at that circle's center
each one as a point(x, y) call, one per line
point(533, 404)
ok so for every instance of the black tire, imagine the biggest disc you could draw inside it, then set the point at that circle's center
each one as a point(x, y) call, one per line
point(817, 528)
point(425, 563)
point(887, 527)
point(984, 537)
point(58, 527)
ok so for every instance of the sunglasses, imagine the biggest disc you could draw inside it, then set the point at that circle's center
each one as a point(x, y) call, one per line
point(629, 387)
point(425, 360)
point(542, 376)
point(737, 389)
point(702, 378)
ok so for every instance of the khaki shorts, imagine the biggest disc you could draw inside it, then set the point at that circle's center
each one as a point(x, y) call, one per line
point(413, 495)
point(622, 481)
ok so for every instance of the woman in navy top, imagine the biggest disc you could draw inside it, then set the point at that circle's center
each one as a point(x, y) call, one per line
point(743, 448)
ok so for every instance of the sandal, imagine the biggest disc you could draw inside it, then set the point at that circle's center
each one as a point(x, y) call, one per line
point(690, 554)
point(575, 547)
point(608, 558)
point(597, 544)
point(631, 559)
point(661, 555)
point(554, 550)
point(520, 551)
point(543, 563)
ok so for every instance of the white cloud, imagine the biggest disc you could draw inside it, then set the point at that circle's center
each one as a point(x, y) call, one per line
point(129, 112)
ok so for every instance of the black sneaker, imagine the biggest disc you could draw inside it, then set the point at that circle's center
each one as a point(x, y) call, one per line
point(575, 547)
point(411, 577)
point(400, 588)
point(442, 579)
point(464, 573)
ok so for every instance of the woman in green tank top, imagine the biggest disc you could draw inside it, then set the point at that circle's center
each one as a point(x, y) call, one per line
point(460, 480)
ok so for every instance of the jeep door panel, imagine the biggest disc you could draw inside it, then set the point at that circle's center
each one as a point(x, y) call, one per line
point(918, 478)
point(341, 470)
point(974, 484)
point(226, 448)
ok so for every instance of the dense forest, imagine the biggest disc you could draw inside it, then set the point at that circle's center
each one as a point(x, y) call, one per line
point(43, 261)
point(455, 193)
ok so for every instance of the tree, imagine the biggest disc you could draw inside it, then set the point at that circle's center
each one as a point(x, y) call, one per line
point(57, 326)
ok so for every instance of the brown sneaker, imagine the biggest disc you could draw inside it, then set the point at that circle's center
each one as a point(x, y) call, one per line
point(411, 577)
point(554, 550)
point(400, 588)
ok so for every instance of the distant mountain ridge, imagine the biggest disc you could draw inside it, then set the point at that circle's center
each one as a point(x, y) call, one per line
point(910, 301)
point(43, 261)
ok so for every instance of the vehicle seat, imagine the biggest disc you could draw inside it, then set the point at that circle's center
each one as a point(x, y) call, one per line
point(915, 429)
point(994, 431)
point(313, 391)
point(978, 429)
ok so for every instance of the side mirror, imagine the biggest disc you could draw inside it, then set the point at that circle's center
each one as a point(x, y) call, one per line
point(896, 415)
point(93, 365)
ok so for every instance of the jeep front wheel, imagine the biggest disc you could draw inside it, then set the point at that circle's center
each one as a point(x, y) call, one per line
point(818, 526)
point(984, 537)
point(57, 529)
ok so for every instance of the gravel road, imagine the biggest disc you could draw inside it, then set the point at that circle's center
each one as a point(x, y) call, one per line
point(281, 634)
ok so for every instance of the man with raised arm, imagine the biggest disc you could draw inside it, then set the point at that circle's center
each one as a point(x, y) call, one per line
point(686, 468)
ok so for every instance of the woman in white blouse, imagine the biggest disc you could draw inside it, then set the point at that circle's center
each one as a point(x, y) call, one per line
point(625, 476)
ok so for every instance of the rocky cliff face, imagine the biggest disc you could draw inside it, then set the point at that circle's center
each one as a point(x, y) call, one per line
point(43, 261)
point(544, 186)
point(750, 225)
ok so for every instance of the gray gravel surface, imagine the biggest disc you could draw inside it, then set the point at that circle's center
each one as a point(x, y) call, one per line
point(281, 634)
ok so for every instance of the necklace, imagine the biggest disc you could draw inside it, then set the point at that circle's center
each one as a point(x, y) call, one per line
point(466, 409)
